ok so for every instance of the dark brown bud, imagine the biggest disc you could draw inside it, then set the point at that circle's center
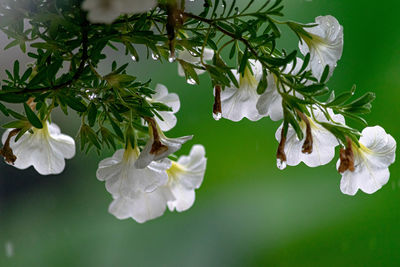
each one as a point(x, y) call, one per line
point(217, 110)
point(6, 151)
point(347, 157)
point(157, 147)
point(280, 154)
point(308, 142)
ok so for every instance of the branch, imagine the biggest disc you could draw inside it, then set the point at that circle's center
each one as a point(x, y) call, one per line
point(77, 74)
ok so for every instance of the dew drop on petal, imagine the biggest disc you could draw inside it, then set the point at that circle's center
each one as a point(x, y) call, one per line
point(319, 61)
point(154, 56)
point(217, 116)
point(191, 81)
point(281, 164)
point(134, 58)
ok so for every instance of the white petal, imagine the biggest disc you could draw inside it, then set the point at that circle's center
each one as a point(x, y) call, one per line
point(326, 47)
point(184, 198)
point(270, 102)
point(169, 120)
point(240, 103)
point(195, 167)
point(46, 149)
point(123, 179)
point(382, 146)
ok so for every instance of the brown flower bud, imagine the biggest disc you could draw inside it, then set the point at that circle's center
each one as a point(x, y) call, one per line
point(308, 142)
point(157, 147)
point(7, 151)
point(217, 110)
point(347, 157)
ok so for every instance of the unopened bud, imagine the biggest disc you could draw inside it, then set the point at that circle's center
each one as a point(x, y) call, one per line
point(308, 142)
point(280, 154)
point(217, 110)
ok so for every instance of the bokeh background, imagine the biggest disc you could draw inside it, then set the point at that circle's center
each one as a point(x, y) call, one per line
point(247, 212)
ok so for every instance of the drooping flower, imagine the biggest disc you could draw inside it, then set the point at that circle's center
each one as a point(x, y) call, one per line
point(159, 146)
point(169, 99)
point(270, 102)
point(124, 179)
point(141, 206)
point(187, 56)
point(184, 177)
point(106, 11)
point(239, 103)
point(369, 164)
point(318, 145)
point(325, 45)
point(45, 149)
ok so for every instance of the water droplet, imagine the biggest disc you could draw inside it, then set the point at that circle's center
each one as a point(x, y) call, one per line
point(133, 58)
point(9, 249)
point(92, 96)
point(217, 116)
point(281, 164)
point(191, 0)
point(191, 81)
point(155, 56)
point(319, 62)
point(171, 58)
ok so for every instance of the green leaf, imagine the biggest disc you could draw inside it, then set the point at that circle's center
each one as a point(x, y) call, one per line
point(92, 114)
point(75, 104)
point(33, 119)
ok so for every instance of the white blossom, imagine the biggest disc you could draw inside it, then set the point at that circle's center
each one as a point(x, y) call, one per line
point(325, 45)
point(106, 11)
point(124, 179)
point(238, 103)
point(270, 102)
point(187, 56)
point(45, 149)
point(323, 141)
point(184, 177)
point(169, 99)
point(141, 206)
point(371, 162)
point(159, 146)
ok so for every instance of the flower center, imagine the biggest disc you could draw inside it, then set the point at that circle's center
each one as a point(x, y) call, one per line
point(174, 171)
point(248, 80)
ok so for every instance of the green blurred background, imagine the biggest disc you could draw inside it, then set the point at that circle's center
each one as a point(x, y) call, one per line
point(247, 212)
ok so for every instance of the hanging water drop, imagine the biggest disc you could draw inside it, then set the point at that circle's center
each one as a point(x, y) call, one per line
point(155, 56)
point(281, 164)
point(191, 81)
point(171, 58)
point(217, 116)
point(134, 58)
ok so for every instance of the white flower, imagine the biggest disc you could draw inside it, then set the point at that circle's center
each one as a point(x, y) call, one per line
point(172, 101)
point(325, 46)
point(106, 11)
point(323, 142)
point(124, 179)
point(45, 149)
point(185, 176)
point(270, 102)
point(159, 146)
point(141, 206)
point(237, 103)
point(185, 55)
point(371, 162)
